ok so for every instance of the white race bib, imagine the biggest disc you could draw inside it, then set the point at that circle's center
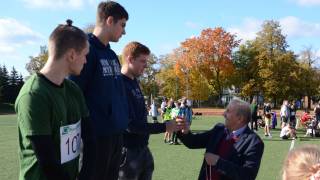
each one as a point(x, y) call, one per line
point(70, 138)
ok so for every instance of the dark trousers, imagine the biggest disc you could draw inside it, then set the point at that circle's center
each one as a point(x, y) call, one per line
point(108, 157)
point(255, 121)
point(137, 164)
point(174, 137)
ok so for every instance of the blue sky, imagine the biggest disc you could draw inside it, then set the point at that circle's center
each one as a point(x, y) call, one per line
point(25, 25)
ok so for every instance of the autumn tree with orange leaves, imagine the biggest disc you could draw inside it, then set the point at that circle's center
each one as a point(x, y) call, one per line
point(209, 57)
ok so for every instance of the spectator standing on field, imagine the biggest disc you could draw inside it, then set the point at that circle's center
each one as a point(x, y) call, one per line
point(284, 114)
point(254, 115)
point(154, 111)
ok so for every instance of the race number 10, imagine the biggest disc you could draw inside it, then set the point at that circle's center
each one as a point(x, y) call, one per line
point(70, 138)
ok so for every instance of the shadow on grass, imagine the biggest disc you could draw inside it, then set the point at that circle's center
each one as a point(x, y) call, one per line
point(6, 108)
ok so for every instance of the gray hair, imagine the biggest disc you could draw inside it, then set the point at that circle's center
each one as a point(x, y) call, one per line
point(242, 108)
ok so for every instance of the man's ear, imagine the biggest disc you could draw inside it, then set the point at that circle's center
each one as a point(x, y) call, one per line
point(130, 59)
point(109, 20)
point(71, 55)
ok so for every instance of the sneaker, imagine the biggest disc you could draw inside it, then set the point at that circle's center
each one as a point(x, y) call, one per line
point(266, 135)
point(170, 142)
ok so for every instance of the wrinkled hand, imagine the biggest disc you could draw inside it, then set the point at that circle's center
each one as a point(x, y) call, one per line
point(182, 124)
point(211, 159)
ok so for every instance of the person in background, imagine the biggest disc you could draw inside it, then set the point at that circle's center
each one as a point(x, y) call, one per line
point(52, 114)
point(305, 118)
point(154, 112)
point(267, 120)
point(293, 111)
point(254, 114)
point(167, 117)
point(288, 132)
point(302, 163)
point(174, 114)
point(185, 111)
point(163, 107)
point(284, 114)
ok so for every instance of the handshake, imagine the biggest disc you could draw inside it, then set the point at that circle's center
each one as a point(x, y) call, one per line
point(178, 124)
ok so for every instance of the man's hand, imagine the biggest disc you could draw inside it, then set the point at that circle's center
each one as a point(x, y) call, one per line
point(211, 159)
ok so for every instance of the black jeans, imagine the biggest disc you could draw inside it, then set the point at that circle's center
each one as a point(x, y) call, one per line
point(254, 120)
point(108, 157)
point(137, 164)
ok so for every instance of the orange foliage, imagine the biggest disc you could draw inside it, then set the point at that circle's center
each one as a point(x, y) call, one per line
point(210, 53)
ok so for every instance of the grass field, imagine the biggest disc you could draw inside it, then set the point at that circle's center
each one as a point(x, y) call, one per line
point(172, 162)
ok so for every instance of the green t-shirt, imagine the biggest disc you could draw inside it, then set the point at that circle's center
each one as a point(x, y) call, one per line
point(167, 114)
point(42, 108)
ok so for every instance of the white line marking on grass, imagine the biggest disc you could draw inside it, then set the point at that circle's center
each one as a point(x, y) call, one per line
point(292, 144)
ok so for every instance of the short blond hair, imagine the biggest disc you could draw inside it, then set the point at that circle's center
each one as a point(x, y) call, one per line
point(301, 163)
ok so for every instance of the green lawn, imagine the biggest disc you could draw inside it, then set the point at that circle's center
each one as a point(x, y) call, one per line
point(172, 162)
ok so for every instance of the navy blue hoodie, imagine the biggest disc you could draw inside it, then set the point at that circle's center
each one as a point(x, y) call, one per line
point(139, 130)
point(103, 88)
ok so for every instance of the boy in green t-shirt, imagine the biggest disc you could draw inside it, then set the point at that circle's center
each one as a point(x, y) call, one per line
point(52, 115)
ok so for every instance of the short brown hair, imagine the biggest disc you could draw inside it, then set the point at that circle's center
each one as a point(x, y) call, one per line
point(301, 163)
point(111, 8)
point(65, 37)
point(135, 49)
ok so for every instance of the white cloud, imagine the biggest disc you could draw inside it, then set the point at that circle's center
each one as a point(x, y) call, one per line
point(248, 29)
point(15, 35)
point(58, 4)
point(291, 26)
point(317, 54)
point(295, 28)
point(308, 2)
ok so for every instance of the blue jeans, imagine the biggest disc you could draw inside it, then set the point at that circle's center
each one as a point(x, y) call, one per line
point(137, 164)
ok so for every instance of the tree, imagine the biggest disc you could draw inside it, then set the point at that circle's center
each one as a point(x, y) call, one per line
point(148, 79)
point(277, 66)
point(4, 83)
point(309, 75)
point(210, 53)
point(36, 63)
point(246, 70)
point(167, 78)
point(10, 85)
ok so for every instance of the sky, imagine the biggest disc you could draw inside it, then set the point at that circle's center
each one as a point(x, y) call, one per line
point(25, 25)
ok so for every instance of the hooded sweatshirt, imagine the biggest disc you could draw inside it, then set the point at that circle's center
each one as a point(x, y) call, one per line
point(103, 88)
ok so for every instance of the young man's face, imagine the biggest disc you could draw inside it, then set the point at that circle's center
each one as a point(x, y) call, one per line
point(117, 29)
point(80, 59)
point(138, 64)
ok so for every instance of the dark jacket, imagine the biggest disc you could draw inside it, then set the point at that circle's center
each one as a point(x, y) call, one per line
point(244, 160)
